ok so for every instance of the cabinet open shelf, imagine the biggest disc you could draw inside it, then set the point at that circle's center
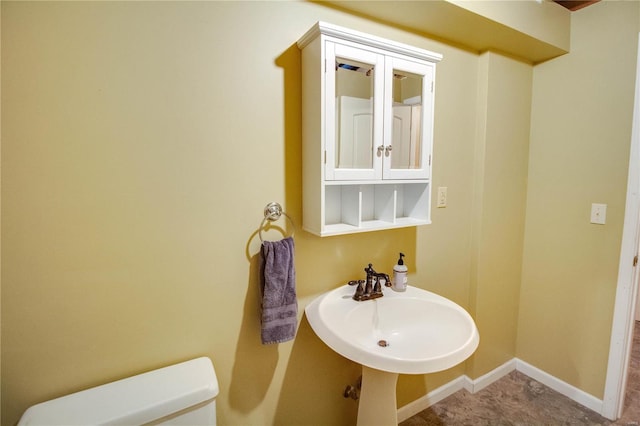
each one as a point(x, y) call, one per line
point(358, 207)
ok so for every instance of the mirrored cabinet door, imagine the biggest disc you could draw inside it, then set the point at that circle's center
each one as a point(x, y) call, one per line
point(408, 119)
point(354, 105)
point(367, 126)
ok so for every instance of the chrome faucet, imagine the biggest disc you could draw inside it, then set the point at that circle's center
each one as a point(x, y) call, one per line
point(371, 288)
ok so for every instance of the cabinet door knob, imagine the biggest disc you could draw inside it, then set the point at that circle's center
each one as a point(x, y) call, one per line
point(380, 149)
point(387, 149)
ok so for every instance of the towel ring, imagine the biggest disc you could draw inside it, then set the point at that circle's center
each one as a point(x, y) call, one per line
point(272, 212)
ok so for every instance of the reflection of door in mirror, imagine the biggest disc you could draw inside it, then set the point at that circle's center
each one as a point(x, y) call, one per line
point(406, 136)
point(354, 114)
point(355, 117)
point(407, 120)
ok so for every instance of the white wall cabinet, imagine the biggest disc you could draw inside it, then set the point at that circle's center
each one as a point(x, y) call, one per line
point(367, 131)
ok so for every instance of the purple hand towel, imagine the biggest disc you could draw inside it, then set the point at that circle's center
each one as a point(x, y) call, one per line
point(279, 302)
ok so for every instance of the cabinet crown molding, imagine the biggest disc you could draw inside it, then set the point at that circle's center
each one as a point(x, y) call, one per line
point(324, 28)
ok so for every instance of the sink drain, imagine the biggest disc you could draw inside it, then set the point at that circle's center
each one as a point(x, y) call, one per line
point(383, 343)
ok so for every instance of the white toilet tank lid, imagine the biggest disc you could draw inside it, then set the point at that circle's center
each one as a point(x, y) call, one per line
point(135, 400)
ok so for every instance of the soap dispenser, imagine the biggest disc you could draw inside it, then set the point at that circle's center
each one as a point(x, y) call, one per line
point(400, 275)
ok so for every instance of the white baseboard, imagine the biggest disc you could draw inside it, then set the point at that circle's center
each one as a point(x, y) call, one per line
point(570, 391)
point(433, 397)
point(492, 376)
point(473, 386)
point(462, 382)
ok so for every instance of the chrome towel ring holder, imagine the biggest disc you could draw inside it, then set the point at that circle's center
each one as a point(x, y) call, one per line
point(272, 212)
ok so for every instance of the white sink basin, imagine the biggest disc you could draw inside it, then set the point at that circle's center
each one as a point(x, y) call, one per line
point(423, 332)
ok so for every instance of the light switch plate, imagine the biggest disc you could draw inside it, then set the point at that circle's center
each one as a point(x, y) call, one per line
point(598, 213)
point(442, 196)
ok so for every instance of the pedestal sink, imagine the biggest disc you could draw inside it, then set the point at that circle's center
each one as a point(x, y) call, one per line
point(413, 332)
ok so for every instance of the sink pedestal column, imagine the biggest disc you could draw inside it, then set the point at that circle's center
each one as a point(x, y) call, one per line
point(377, 405)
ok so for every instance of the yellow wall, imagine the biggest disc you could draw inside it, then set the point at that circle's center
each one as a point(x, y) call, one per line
point(528, 29)
point(543, 20)
point(141, 141)
point(581, 130)
point(501, 155)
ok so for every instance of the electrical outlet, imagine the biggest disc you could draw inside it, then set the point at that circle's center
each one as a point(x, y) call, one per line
point(442, 196)
point(598, 213)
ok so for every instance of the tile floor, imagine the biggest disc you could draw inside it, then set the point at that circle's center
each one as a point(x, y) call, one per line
point(516, 399)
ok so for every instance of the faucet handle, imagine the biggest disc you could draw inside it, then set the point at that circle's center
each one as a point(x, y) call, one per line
point(359, 294)
point(369, 270)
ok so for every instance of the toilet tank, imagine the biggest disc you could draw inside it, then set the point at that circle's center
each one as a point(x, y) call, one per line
point(181, 394)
